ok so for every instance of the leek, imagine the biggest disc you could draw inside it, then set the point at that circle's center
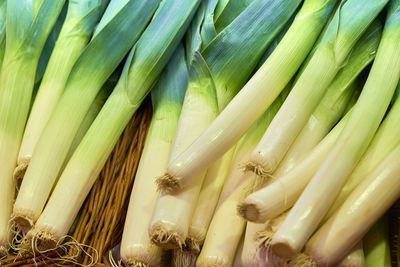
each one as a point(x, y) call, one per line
point(274, 199)
point(216, 175)
point(337, 96)
point(256, 96)
point(167, 98)
point(364, 206)
point(220, 245)
point(29, 22)
point(384, 141)
point(171, 229)
point(142, 68)
point(96, 63)
point(323, 118)
point(368, 112)
point(249, 27)
point(82, 16)
point(168, 227)
point(251, 252)
point(330, 56)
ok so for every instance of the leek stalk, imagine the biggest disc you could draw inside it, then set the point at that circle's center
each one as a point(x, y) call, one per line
point(82, 17)
point(257, 94)
point(29, 23)
point(144, 64)
point(96, 63)
point(368, 112)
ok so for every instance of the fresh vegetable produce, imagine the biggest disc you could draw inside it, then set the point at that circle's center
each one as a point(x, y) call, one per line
point(274, 138)
point(256, 96)
point(145, 62)
point(96, 63)
point(82, 17)
point(167, 97)
point(28, 25)
point(347, 151)
point(329, 57)
point(237, 186)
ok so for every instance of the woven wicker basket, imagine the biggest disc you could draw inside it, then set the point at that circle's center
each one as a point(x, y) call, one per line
point(101, 219)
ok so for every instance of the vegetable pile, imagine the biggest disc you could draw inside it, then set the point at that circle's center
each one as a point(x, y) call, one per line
point(274, 139)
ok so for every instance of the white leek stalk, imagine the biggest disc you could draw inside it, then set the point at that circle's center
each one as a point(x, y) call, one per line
point(167, 97)
point(123, 20)
point(368, 112)
point(173, 211)
point(364, 206)
point(249, 27)
point(280, 195)
point(82, 16)
point(384, 141)
point(376, 245)
point(29, 23)
point(326, 114)
point(337, 96)
point(251, 251)
point(330, 56)
point(220, 245)
point(256, 96)
point(145, 62)
point(271, 15)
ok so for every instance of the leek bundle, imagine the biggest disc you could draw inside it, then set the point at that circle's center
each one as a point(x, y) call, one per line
point(167, 98)
point(171, 229)
point(220, 245)
point(385, 140)
point(330, 56)
point(168, 226)
point(352, 143)
point(364, 206)
point(29, 23)
point(256, 96)
point(336, 99)
point(329, 110)
point(144, 64)
point(82, 16)
point(95, 64)
point(277, 197)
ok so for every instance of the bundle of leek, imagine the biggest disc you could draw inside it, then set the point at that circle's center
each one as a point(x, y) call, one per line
point(82, 16)
point(167, 98)
point(330, 56)
point(352, 143)
point(363, 203)
point(29, 22)
point(220, 245)
point(187, 223)
point(95, 64)
point(256, 95)
point(143, 66)
point(328, 111)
